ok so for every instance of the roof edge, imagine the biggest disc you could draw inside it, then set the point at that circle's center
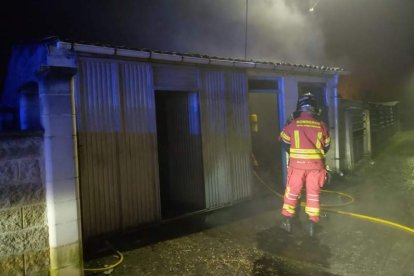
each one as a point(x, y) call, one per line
point(92, 48)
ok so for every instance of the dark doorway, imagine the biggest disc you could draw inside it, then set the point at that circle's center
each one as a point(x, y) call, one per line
point(319, 91)
point(265, 145)
point(179, 153)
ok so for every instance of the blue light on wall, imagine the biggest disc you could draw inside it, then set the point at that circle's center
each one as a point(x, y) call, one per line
point(29, 107)
point(282, 111)
point(194, 114)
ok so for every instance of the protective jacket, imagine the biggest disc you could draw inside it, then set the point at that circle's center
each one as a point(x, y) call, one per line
point(307, 140)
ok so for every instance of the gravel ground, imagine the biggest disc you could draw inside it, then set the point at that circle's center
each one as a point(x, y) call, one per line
point(247, 240)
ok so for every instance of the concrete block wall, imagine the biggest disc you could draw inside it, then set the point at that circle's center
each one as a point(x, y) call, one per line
point(24, 234)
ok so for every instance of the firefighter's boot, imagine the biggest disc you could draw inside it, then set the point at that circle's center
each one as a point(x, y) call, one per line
point(311, 228)
point(286, 224)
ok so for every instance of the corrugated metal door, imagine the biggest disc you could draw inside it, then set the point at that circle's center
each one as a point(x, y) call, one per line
point(98, 123)
point(239, 139)
point(225, 136)
point(138, 147)
point(214, 129)
point(117, 145)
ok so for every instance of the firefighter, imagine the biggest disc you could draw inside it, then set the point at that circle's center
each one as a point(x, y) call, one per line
point(306, 139)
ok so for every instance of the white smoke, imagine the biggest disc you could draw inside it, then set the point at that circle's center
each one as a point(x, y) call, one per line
point(279, 30)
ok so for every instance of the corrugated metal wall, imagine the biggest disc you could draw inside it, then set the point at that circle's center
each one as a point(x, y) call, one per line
point(359, 134)
point(117, 145)
point(138, 147)
point(217, 177)
point(98, 122)
point(176, 78)
point(239, 139)
point(116, 116)
point(225, 135)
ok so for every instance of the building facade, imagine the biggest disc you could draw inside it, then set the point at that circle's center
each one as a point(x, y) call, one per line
point(134, 137)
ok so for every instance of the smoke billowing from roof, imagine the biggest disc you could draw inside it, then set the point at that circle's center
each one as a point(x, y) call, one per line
point(279, 31)
point(371, 38)
point(276, 30)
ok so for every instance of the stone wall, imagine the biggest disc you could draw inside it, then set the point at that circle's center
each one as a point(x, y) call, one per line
point(24, 245)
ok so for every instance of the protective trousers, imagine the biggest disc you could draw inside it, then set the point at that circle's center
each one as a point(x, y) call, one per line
point(296, 179)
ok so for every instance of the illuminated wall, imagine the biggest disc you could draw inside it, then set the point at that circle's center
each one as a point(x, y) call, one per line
point(39, 222)
point(24, 246)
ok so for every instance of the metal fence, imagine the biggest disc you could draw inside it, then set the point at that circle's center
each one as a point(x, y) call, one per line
point(384, 124)
point(354, 133)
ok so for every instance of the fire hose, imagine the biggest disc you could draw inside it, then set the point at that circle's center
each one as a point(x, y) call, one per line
point(325, 207)
point(107, 267)
point(331, 208)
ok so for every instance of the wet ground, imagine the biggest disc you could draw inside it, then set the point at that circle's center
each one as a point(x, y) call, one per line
point(247, 240)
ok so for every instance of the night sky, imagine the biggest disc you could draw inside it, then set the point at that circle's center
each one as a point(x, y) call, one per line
point(373, 39)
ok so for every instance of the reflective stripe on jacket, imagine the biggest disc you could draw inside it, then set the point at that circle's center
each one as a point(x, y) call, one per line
point(308, 138)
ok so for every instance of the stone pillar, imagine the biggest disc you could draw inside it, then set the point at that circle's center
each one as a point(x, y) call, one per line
point(62, 193)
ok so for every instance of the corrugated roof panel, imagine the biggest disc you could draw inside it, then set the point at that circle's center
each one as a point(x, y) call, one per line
point(198, 60)
point(222, 62)
point(94, 49)
point(132, 53)
point(166, 56)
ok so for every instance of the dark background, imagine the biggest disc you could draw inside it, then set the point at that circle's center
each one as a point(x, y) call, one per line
point(373, 39)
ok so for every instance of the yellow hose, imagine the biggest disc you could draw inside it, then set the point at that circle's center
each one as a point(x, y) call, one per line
point(374, 219)
point(105, 268)
point(327, 207)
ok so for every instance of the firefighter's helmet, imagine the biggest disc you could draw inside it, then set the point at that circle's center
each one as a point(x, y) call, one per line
point(308, 103)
